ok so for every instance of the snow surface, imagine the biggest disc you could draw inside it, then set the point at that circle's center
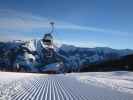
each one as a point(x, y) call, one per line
point(121, 81)
point(74, 86)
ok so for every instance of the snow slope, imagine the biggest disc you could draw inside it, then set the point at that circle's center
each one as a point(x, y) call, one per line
point(75, 86)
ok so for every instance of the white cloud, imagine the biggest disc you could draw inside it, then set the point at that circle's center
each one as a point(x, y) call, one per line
point(18, 22)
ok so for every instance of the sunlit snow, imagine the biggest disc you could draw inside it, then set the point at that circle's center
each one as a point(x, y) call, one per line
point(73, 86)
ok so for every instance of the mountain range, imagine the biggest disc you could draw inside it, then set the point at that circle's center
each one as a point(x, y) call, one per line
point(32, 53)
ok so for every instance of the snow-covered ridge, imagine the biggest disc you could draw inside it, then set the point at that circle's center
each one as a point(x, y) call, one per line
point(68, 48)
point(73, 57)
point(32, 45)
point(93, 54)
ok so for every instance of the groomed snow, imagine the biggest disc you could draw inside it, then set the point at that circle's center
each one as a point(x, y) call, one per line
point(74, 86)
point(121, 81)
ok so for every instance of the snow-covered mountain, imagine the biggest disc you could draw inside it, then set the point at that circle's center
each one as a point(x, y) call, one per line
point(32, 53)
point(93, 54)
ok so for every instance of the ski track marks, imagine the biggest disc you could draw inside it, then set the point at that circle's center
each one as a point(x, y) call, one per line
point(58, 87)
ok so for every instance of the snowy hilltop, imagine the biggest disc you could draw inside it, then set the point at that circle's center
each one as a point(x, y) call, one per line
point(32, 56)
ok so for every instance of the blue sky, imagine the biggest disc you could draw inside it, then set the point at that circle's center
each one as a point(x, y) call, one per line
point(87, 23)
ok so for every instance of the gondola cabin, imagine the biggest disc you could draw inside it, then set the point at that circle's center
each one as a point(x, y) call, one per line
point(48, 39)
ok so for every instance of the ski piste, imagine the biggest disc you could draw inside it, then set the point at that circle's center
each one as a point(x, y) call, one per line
point(72, 86)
